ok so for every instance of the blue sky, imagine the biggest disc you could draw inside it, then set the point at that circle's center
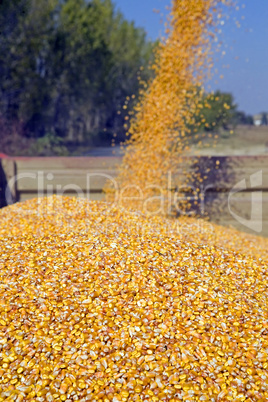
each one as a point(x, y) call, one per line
point(246, 47)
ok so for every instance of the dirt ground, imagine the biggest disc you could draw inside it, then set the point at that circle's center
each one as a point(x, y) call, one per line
point(245, 140)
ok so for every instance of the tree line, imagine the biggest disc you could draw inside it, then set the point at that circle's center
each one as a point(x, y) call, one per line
point(67, 67)
point(70, 72)
point(218, 111)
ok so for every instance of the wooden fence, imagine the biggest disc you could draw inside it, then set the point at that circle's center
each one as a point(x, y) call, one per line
point(235, 189)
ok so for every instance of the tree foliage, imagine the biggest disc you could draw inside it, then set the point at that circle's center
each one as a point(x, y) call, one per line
point(217, 111)
point(67, 66)
point(242, 118)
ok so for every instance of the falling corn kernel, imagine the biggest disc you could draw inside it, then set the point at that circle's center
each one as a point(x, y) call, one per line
point(168, 110)
point(100, 303)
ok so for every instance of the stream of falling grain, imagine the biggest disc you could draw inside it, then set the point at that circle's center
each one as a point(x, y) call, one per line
point(164, 117)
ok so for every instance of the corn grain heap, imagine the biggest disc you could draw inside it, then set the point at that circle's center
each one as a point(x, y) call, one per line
point(101, 305)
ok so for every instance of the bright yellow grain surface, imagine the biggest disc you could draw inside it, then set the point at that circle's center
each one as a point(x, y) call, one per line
point(99, 304)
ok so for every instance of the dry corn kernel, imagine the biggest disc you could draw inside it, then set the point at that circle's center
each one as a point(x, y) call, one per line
point(174, 355)
point(111, 305)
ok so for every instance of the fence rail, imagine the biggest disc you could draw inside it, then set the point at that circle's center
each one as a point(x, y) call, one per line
point(236, 186)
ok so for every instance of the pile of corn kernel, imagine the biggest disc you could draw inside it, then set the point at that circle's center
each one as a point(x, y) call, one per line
point(99, 304)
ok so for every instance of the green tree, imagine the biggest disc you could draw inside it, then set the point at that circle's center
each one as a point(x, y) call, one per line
point(80, 63)
point(216, 111)
point(242, 118)
point(67, 66)
point(132, 54)
point(25, 27)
